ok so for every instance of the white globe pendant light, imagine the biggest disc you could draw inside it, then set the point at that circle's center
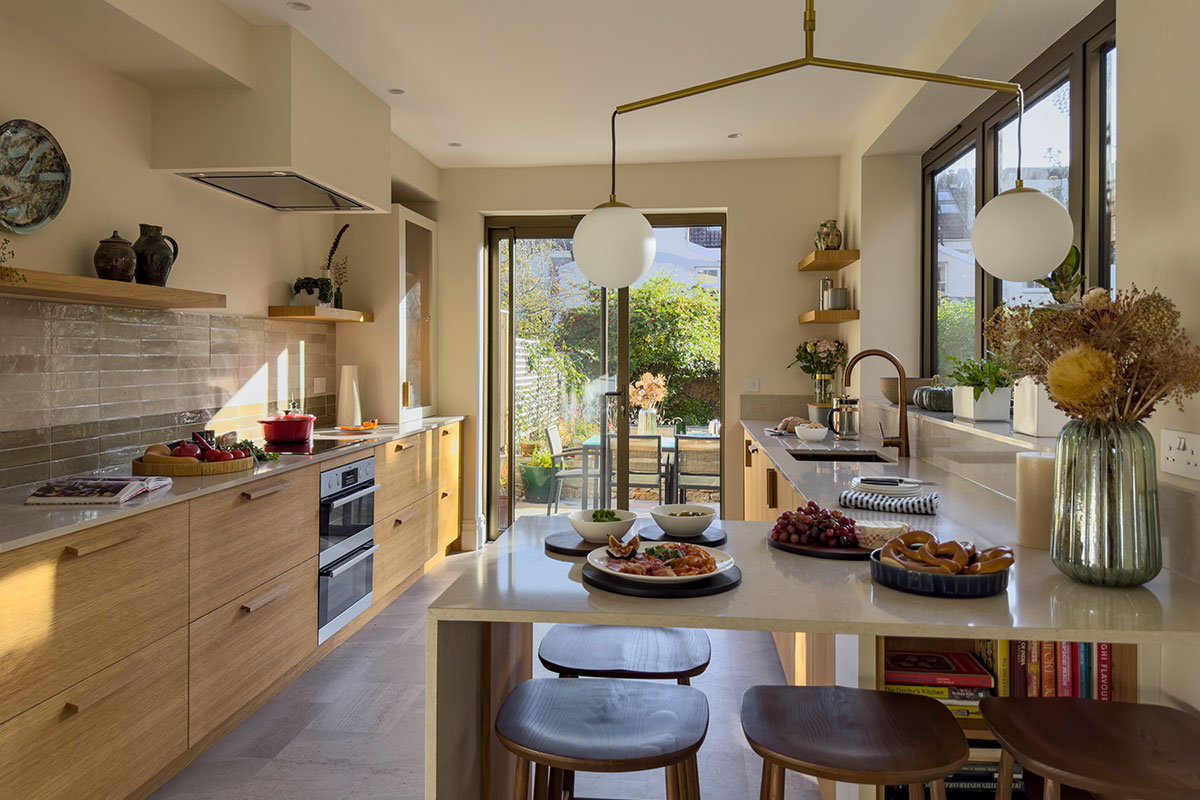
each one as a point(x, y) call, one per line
point(614, 245)
point(1022, 235)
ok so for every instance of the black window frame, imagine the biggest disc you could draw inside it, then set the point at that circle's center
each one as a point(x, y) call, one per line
point(1078, 58)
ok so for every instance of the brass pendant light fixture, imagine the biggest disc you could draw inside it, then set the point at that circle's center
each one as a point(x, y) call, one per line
point(1020, 235)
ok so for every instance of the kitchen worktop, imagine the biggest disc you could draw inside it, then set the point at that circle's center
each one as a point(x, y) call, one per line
point(22, 525)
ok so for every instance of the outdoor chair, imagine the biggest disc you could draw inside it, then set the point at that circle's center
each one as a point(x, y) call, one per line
point(647, 468)
point(564, 465)
point(697, 464)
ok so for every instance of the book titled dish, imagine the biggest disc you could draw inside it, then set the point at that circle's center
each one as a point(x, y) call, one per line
point(94, 491)
point(933, 668)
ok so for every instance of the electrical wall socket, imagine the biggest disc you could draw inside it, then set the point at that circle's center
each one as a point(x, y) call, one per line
point(318, 386)
point(1178, 453)
point(751, 384)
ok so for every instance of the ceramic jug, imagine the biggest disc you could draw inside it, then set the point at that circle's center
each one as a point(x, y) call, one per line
point(155, 255)
point(114, 259)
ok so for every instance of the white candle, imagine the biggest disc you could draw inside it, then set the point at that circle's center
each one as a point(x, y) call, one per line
point(1035, 499)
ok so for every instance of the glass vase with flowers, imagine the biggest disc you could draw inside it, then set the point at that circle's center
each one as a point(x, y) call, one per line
point(645, 394)
point(820, 359)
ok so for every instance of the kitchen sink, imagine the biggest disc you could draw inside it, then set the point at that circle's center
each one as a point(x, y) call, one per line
point(838, 455)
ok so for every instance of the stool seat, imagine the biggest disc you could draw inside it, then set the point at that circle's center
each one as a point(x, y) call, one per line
point(1107, 748)
point(616, 651)
point(603, 725)
point(853, 735)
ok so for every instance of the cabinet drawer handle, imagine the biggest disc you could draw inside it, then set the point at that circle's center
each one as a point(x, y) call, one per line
point(750, 451)
point(85, 700)
point(772, 489)
point(265, 489)
point(445, 495)
point(255, 603)
point(409, 517)
point(100, 543)
point(400, 446)
point(445, 431)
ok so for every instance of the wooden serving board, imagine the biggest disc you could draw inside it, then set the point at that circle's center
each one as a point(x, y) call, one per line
point(569, 543)
point(191, 470)
point(817, 551)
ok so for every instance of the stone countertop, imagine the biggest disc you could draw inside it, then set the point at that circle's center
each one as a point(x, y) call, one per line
point(22, 525)
point(513, 580)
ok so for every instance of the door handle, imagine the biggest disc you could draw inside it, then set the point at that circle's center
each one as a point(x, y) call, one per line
point(98, 543)
point(255, 603)
point(772, 489)
point(349, 561)
point(409, 517)
point(402, 446)
point(350, 498)
point(445, 431)
point(265, 489)
point(750, 451)
point(85, 700)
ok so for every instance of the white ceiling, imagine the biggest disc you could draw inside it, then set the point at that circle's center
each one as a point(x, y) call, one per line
point(533, 82)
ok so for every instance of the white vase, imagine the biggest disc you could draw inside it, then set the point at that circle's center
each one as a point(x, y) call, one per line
point(349, 408)
point(990, 407)
point(1034, 413)
point(306, 299)
point(647, 422)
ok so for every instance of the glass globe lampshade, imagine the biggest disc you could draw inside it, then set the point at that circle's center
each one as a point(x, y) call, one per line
point(614, 245)
point(1022, 235)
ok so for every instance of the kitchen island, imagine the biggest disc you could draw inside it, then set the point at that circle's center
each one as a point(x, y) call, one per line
point(479, 635)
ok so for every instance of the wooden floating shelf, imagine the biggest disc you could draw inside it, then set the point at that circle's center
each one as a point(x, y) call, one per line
point(810, 317)
point(81, 289)
point(319, 314)
point(828, 260)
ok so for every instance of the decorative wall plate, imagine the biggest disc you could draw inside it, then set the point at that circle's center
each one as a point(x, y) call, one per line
point(35, 177)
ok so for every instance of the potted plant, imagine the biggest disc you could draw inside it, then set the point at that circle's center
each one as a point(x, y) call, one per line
point(312, 292)
point(536, 474)
point(646, 393)
point(982, 390)
point(820, 359)
point(338, 268)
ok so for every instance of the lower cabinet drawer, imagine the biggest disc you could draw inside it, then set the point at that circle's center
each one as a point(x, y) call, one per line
point(245, 645)
point(105, 736)
point(449, 528)
point(406, 539)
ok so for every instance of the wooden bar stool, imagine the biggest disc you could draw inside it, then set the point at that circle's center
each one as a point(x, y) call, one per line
point(616, 651)
point(1107, 748)
point(852, 735)
point(602, 725)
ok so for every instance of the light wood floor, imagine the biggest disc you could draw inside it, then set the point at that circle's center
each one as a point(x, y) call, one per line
point(352, 727)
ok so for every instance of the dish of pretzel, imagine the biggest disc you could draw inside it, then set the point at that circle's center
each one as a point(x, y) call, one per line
point(920, 551)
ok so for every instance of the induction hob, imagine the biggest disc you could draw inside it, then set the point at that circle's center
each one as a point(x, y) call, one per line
point(310, 448)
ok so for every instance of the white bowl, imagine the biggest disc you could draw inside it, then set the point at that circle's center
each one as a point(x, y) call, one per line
point(683, 526)
point(811, 434)
point(590, 531)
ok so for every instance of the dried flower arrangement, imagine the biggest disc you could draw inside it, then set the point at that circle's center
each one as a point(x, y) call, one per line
point(339, 268)
point(821, 356)
point(9, 274)
point(1102, 358)
point(648, 391)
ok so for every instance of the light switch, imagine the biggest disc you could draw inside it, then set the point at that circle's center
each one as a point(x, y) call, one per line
point(1178, 453)
point(318, 386)
point(751, 384)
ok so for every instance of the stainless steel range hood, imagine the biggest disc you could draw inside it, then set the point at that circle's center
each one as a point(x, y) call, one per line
point(278, 189)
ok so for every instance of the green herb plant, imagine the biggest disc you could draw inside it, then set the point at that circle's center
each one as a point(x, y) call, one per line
point(323, 287)
point(990, 374)
point(1066, 279)
point(540, 458)
point(259, 454)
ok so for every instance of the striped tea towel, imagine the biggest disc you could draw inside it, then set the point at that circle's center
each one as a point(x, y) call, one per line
point(925, 504)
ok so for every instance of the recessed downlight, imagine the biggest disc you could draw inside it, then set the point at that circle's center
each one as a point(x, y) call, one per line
point(278, 174)
point(395, 91)
point(296, 5)
point(454, 144)
point(733, 136)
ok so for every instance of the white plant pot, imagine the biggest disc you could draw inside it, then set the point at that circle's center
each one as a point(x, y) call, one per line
point(990, 407)
point(1034, 413)
point(306, 299)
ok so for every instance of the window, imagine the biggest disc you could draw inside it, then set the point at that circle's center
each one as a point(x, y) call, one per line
point(1068, 150)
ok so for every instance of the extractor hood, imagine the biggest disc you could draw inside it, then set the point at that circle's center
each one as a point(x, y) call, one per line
point(278, 189)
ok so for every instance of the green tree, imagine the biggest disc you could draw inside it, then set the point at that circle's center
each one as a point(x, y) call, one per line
point(955, 331)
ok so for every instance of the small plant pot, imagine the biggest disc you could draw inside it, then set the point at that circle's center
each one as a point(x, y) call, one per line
point(990, 407)
point(537, 482)
point(306, 299)
point(1034, 413)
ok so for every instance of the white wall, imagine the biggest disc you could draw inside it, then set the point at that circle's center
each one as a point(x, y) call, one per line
point(773, 208)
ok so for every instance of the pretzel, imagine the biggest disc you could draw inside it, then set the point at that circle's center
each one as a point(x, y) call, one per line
point(899, 554)
point(994, 559)
point(949, 557)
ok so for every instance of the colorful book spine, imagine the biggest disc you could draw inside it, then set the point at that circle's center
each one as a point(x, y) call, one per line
point(1049, 669)
point(1066, 669)
point(984, 785)
point(1104, 671)
point(1019, 680)
point(940, 692)
point(965, 712)
point(1083, 669)
point(1003, 669)
point(1035, 670)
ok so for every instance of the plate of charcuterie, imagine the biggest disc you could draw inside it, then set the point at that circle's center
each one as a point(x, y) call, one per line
point(660, 563)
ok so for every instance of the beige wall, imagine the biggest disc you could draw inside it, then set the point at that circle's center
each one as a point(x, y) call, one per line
point(102, 122)
point(773, 208)
point(1158, 168)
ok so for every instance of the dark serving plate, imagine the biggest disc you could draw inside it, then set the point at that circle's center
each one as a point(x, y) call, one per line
point(935, 584)
point(817, 551)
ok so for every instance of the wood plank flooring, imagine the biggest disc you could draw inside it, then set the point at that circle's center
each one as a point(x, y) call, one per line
point(352, 727)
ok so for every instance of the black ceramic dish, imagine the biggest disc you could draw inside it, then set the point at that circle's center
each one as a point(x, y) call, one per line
point(935, 584)
point(611, 582)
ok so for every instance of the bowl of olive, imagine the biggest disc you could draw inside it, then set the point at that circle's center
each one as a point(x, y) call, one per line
point(681, 519)
point(596, 525)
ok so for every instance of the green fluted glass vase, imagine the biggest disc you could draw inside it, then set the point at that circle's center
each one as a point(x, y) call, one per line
point(1106, 504)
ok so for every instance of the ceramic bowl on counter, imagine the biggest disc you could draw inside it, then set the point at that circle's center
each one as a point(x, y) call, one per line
point(599, 532)
point(890, 388)
point(811, 432)
point(682, 519)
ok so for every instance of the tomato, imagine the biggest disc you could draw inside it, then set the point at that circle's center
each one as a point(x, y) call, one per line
point(223, 455)
point(237, 454)
point(187, 450)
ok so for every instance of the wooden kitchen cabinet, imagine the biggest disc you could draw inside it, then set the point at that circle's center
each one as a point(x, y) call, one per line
point(406, 471)
point(241, 648)
point(104, 736)
point(244, 536)
point(766, 492)
point(406, 539)
point(449, 455)
point(74, 605)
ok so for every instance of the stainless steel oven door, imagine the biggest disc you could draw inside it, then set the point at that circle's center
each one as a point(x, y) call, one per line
point(344, 518)
point(345, 586)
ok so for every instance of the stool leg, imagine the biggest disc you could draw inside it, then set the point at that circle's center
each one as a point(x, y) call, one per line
point(1004, 787)
point(540, 781)
point(556, 784)
point(764, 791)
point(521, 784)
point(693, 776)
point(672, 778)
point(916, 791)
point(937, 789)
point(569, 784)
point(1052, 790)
point(778, 781)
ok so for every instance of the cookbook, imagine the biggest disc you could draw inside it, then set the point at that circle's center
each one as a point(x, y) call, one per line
point(84, 490)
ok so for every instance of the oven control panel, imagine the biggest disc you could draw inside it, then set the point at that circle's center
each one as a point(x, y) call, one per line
point(347, 476)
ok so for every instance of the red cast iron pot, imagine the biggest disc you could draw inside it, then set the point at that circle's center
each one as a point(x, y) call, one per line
point(288, 428)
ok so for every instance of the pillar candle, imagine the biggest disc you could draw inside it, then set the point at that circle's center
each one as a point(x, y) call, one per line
point(1035, 499)
point(349, 411)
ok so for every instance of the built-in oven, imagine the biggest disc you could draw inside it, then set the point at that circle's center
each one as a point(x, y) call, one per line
point(346, 560)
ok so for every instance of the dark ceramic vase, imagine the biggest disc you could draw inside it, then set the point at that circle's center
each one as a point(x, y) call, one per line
point(115, 259)
point(155, 255)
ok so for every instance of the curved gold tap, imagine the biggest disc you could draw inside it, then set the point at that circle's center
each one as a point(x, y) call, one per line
point(899, 442)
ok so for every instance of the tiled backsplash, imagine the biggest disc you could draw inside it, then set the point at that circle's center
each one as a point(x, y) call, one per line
point(83, 387)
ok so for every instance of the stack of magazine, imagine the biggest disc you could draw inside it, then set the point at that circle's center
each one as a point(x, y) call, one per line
point(95, 490)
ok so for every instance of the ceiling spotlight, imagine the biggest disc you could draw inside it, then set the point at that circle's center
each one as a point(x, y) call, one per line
point(733, 136)
point(278, 174)
point(395, 91)
point(454, 144)
point(296, 5)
